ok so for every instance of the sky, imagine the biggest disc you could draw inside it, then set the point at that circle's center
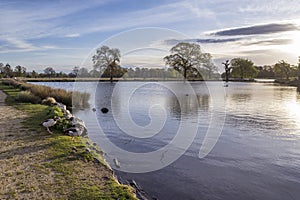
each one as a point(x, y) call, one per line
point(65, 33)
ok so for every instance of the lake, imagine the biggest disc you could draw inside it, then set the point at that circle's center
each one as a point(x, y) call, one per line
point(257, 155)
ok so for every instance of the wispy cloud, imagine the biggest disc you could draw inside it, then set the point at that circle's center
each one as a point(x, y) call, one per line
point(73, 35)
point(269, 42)
point(161, 15)
point(20, 44)
point(257, 30)
point(202, 40)
point(28, 19)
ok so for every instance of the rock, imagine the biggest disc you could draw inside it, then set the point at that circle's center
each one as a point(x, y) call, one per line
point(96, 160)
point(88, 150)
point(61, 106)
point(104, 110)
point(117, 163)
point(74, 149)
point(68, 114)
point(76, 131)
point(76, 121)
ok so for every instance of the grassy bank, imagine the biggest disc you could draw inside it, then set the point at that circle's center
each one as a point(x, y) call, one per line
point(36, 93)
point(44, 166)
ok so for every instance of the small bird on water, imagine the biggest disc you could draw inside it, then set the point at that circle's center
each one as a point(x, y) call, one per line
point(50, 122)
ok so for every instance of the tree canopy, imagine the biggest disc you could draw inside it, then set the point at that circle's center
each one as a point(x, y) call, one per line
point(50, 72)
point(188, 59)
point(243, 68)
point(283, 69)
point(107, 58)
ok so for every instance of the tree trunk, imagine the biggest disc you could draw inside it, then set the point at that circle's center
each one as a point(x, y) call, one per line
point(227, 76)
point(111, 74)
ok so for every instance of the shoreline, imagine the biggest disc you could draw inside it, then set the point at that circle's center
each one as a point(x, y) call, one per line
point(36, 164)
point(88, 79)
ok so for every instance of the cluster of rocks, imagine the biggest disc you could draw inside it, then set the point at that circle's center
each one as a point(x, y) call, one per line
point(77, 128)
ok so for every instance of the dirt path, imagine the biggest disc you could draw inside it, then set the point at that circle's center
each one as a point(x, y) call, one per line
point(24, 156)
point(20, 154)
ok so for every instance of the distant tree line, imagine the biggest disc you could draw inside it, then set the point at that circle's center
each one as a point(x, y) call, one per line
point(186, 60)
point(241, 68)
point(7, 71)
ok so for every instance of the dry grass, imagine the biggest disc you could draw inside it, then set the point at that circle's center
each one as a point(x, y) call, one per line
point(27, 97)
point(43, 92)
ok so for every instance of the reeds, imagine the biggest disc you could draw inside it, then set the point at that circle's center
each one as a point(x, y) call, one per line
point(35, 94)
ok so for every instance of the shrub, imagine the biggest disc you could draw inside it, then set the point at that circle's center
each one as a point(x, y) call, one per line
point(27, 97)
point(49, 101)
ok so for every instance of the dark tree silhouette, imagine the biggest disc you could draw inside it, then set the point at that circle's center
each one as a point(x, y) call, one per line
point(186, 58)
point(227, 70)
point(108, 58)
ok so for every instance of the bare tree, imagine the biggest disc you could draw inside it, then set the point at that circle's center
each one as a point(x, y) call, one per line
point(227, 69)
point(108, 58)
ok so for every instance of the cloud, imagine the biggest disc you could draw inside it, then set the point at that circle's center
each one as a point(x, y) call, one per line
point(73, 35)
point(202, 41)
point(20, 44)
point(270, 42)
point(258, 30)
point(160, 15)
point(29, 20)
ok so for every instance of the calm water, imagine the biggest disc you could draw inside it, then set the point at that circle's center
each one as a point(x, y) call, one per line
point(256, 157)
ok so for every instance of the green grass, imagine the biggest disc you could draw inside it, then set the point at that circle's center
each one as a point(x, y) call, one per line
point(66, 163)
point(27, 97)
point(115, 191)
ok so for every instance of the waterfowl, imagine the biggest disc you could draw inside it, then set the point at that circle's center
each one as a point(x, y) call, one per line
point(76, 131)
point(61, 106)
point(68, 114)
point(117, 163)
point(50, 122)
point(76, 121)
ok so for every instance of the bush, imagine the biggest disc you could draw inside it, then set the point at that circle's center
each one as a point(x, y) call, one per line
point(49, 101)
point(27, 97)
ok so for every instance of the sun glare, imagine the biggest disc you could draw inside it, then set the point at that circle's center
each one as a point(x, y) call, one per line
point(293, 47)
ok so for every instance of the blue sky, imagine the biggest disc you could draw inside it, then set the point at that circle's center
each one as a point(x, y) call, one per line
point(63, 34)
